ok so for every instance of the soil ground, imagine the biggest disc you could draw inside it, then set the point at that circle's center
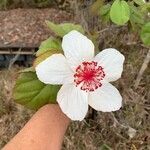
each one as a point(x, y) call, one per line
point(27, 27)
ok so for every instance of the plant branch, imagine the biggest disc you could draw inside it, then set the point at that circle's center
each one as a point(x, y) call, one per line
point(143, 68)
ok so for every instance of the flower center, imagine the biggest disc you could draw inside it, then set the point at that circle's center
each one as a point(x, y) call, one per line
point(89, 75)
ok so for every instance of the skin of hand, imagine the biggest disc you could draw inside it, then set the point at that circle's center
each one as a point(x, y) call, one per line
point(44, 131)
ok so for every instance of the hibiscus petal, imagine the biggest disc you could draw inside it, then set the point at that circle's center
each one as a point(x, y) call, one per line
point(54, 70)
point(112, 62)
point(107, 98)
point(73, 101)
point(77, 48)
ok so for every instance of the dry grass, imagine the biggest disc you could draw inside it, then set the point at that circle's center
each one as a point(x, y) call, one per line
point(12, 116)
point(126, 129)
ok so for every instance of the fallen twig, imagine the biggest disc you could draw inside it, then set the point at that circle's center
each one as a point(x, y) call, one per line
point(143, 68)
point(12, 61)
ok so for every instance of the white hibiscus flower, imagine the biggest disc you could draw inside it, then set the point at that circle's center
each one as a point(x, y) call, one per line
point(85, 78)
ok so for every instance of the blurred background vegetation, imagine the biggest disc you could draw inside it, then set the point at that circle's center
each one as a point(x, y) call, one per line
point(126, 129)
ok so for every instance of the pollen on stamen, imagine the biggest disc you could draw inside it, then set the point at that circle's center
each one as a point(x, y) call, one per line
point(89, 76)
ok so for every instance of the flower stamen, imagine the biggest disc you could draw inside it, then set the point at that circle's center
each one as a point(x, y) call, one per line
point(89, 76)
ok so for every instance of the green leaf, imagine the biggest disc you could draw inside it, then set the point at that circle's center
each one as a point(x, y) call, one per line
point(139, 2)
point(145, 8)
point(145, 34)
point(105, 9)
point(105, 12)
point(64, 28)
point(32, 93)
point(106, 18)
point(120, 12)
point(48, 45)
point(136, 15)
point(42, 57)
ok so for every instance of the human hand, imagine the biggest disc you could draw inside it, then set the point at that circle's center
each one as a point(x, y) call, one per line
point(44, 131)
